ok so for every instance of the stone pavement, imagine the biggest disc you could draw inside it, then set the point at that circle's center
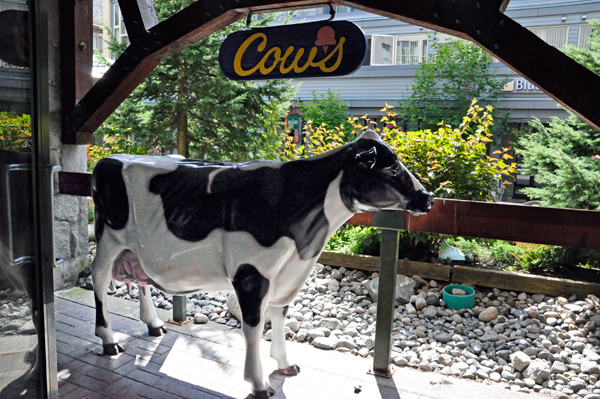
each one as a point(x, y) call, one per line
point(206, 361)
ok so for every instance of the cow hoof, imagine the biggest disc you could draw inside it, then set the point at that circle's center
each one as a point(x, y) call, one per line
point(157, 331)
point(111, 350)
point(292, 370)
point(262, 394)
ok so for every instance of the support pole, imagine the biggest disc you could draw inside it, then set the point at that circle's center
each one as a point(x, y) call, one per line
point(179, 309)
point(390, 223)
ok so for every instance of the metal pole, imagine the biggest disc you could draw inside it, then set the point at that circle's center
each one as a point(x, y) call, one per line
point(390, 223)
point(179, 309)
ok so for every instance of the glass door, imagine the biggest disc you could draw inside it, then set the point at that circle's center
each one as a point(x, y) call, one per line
point(27, 338)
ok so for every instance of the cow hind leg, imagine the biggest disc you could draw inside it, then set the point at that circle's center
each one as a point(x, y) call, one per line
point(278, 348)
point(101, 277)
point(251, 289)
point(148, 313)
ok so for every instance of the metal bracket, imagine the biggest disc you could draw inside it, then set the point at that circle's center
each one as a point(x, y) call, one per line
point(5, 175)
point(383, 374)
point(331, 12)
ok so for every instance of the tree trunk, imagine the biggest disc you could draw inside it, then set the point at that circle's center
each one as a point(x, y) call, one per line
point(183, 144)
point(182, 133)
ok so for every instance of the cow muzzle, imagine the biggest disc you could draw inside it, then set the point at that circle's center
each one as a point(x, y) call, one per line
point(420, 204)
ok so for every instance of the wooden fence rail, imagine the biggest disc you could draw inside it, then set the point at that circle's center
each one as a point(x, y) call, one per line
point(509, 222)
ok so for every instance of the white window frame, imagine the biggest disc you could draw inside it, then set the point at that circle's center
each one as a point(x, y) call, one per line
point(395, 39)
point(420, 38)
point(585, 32)
point(393, 48)
point(118, 27)
point(537, 30)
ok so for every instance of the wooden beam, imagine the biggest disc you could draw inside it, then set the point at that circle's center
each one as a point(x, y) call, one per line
point(511, 222)
point(139, 16)
point(520, 282)
point(71, 183)
point(371, 264)
point(76, 50)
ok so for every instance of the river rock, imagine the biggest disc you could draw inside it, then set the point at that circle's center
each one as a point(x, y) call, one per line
point(405, 288)
point(538, 371)
point(326, 343)
point(488, 314)
point(590, 368)
point(520, 360)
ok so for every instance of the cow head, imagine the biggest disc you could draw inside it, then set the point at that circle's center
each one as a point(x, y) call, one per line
point(374, 179)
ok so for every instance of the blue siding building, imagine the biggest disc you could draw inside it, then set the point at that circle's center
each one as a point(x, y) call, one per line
point(396, 48)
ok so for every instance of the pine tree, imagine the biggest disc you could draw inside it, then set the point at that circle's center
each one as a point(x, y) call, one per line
point(564, 156)
point(188, 104)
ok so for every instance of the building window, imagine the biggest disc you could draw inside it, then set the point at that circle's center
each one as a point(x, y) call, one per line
point(585, 31)
point(98, 40)
point(118, 27)
point(398, 49)
point(553, 35)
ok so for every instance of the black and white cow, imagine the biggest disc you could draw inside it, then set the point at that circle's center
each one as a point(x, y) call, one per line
point(256, 228)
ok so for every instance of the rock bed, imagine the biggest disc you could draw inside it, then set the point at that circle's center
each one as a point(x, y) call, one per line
point(525, 342)
point(15, 313)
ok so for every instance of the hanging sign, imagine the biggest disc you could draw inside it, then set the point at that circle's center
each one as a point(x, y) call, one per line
point(293, 121)
point(294, 51)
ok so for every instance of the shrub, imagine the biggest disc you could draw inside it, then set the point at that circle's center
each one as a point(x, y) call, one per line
point(349, 239)
point(115, 144)
point(452, 162)
point(15, 132)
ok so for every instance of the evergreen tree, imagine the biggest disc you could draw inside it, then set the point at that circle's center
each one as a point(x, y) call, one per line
point(329, 111)
point(446, 82)
point(188, 104)
point(564, 156)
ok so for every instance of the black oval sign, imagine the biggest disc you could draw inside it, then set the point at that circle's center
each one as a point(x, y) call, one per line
point(294, 51)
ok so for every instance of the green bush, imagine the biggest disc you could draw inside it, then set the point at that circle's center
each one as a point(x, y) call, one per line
point(361, 240)
point(15, 132)
point(525, 256)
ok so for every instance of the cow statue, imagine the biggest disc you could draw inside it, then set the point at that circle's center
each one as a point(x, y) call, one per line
point(256, 228)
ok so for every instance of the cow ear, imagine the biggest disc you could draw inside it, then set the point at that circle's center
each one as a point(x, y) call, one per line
point(367, 158)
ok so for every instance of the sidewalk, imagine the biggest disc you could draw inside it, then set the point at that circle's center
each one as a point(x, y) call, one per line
point(206, 361)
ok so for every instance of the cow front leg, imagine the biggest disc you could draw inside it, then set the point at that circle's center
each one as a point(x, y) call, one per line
point(251, 289)
point(101, 277)
point(148, 313)
point(278, 347)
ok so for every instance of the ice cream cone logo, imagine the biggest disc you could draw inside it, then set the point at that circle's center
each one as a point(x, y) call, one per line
point(326, 38)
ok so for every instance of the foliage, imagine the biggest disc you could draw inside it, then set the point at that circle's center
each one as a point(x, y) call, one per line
point(449, 162)
point(328, 111)
point(525, 256)
point(590, 58)
point(348, 239)
point(115, 144)
point(444, 84)
point(15, 132)
point(452, 162)
point(188, 105)
point(564, 157)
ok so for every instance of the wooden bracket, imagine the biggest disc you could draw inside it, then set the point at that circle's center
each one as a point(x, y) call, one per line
point(76, 54)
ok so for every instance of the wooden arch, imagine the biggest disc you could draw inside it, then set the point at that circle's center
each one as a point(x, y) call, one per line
point(481, 21)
